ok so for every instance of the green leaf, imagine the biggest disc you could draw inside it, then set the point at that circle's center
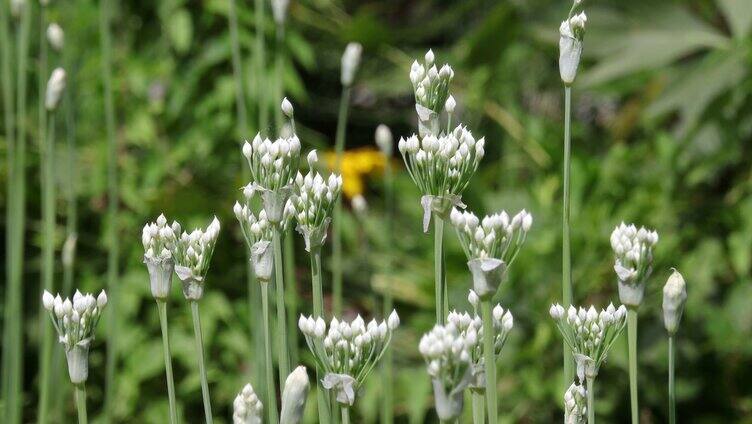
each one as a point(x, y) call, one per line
point(180, 30)
point(738, 14)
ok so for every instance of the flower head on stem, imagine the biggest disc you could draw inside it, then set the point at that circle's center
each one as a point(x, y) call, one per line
point(247, 407)
point(571, 34)
point(350, 63)
point(193, 253)
point(674, 298)
point(294, 396)
point(633, 249)
point(575, 404)
point(159, 241)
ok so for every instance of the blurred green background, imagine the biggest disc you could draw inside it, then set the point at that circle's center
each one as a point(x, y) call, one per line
point(661, 137)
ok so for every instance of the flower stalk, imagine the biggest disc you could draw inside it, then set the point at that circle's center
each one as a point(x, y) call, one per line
point(271, 394)
point(489, 361)
point(566, 251)
point(162, 309)
point(279, 281)
point(590, 381)
point(81, 403)
point(674, 298)
point(201, 364)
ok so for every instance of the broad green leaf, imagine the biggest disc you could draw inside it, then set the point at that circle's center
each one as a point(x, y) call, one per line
point(738, 14)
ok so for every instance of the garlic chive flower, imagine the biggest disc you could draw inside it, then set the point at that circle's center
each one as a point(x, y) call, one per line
point(75, 321)
point(384, 140)
point(273, 167)
point(159, 241)
point(589, 334)
point(446, 351)
point(55, 36)
point(633, 249)
point(55, 88)
point(294, 396)
point(571, 34)
point(247, 407)
point(575, 404)
point(312, 203)
point(431, 89)
point(490, 244)
point(347, 351)
point(350, 63)
point(193, 253)
point(674, 298)
point(279, 10)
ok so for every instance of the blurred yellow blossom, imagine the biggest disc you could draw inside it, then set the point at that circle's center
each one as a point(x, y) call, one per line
point(357, 164)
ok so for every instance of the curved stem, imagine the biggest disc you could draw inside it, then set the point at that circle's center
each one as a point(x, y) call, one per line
point(162, 307)
point(387, 411)
point(489, 361)
point(479, 412)
point(438, 252)
point(632, 341)
point(590, 382)
point(566, 253)
point(671, 382)
point(339, 147)
point(81, 403)
point(201, 364)
point(271, 394)
point(284, 360)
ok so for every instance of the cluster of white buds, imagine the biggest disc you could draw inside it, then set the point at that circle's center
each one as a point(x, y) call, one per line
point(431, 84)
point(193, 253)
point(312, 202)
point(75, 322)
point(294, 396)
point(258, 233)
point(350, 63)
point(347, 351)
point(674, 298)
point(55, 36)
point(589, 334)
point(384, 140)
point(491, 245)
point(575, 404)
point(247, 407)
point(159, 241)
point(633, 249)
point(446, 350)
point(571, 34)
point(55, 88)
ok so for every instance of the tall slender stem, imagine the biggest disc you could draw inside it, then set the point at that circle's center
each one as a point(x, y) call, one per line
point(279, 281)
point(566, 253)
point(387, 411)
point(105, 41)
point(438, 267)
point(590, 383)
point(671, 382)
point(632, 341)
point(479, 408)
point(162, 307)
point(339, 148)
point(271, 394)
point(345, 414)
point(260, 50)
point(318, 311)
point(81, 403)
point(48, 265)
point(489, 361)
point(201, 364)
point(291, 293)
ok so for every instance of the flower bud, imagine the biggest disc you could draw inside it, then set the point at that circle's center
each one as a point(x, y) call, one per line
point(384, 140)
point(279, 10)
point(55, 88)
point(48, 300)
point(450, 104)
point(570, 47)
point(674, 298)
point(294, 396)
point(350, 63)
point(56, 36)
point(287, 108)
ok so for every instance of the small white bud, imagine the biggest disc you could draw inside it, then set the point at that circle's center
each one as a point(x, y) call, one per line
point(384, 139)
point(350, 63)
point(450, 104)
point(48, 300)
point(287, 108)
point(55, 88)
point(393, 321)
point(55, 36)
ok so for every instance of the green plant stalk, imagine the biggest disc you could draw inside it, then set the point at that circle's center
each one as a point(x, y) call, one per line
point(387, 377)
point(489, 361)
point(438, 267)
point(291, 294)
point(261, 65)
point(479, 411)
point(81, 403)
point(105, 40)
point(284, 360)
point(201, 363)
point(345, 415)
point(632, 342)
point(271, 394)
point(339, 148)
point(318, 311)
point(566, 252)
point(48, 265)
point(671, 381)
point(162, 307)
point(590, 383)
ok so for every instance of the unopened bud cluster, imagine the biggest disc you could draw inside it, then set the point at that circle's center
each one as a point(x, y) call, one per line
point(273, 164)
point(589, 333)
point(193, 253)
point(347, 351)
point(294, 396)
point(55, 88)
point(571, 34)
point(312, 202)
point(350, 63)
point(258, 232)
point(495, 236)
point(159, 241)
point(575, 404)
point(430, 84)
point(247, 407)
point(674, 298)
point(633, 249)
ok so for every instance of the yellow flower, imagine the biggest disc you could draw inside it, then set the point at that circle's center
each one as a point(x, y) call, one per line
point(356, 165)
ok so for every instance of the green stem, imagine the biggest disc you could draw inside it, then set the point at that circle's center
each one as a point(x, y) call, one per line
point(291, 294)
point(201, 366)
point(284, 360)
point(671, 382)
point(479, 411)
point(387, 411)
point(345, 415)
point(632, 341)
point(271, 394)
point(489, 361)
point(261, 65)
point(237, 71)
point(318, 311)
point(48, 264)
point(438, 252)
point(279, 73)
point(339, 148)
point(105, 40)
point(590, 383)
point(81, 403)
point(162, 307)
point(566, 253)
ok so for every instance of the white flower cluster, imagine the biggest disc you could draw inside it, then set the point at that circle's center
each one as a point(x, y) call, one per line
point(76, 320)
point(571, 34)
point(258, 232)
point(247, 407)
point(347, 351)
point(350, 63)
point(193, 253)
point(159, 239)
point(575, 404)
point(294, 396)
point(255, 228)
point(273, 164)
point(674, 298)
point(495, 236)
point(634, 252)
point(312, 202)
point(430, 84)
point(442, 165)
point(589, 334)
